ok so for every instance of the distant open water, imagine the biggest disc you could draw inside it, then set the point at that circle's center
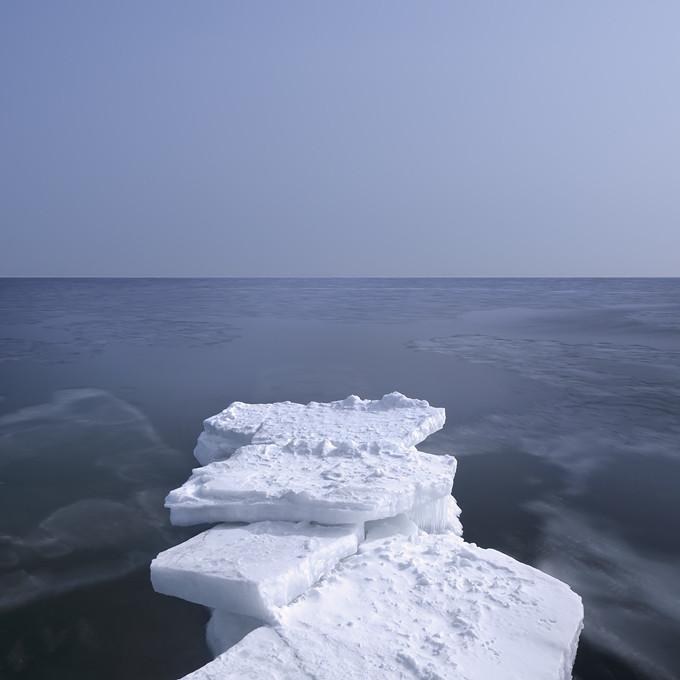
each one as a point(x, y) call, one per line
point(563, 407)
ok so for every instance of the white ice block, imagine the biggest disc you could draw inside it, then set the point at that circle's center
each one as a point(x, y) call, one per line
point(235, 427)
point(253, 569)
point(318, 482)
point(429, 606)
point(394, 417)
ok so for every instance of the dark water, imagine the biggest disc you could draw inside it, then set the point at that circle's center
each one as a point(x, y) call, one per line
point(563, 407)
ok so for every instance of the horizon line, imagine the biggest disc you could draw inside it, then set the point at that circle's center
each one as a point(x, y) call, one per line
point(300, 276)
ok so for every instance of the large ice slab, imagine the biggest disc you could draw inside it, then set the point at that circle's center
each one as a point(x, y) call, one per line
point(253, 569)
point(429, 606)
point(394, 417)
point(317, 482)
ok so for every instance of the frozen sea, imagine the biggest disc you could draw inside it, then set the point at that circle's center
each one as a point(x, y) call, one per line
point(563, 408)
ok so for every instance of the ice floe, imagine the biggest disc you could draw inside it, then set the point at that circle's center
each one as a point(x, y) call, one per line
point(353, 563)
point(432, 606)
point(394, 417)
point(312, 481)
point(426, 607)
point(253, 569)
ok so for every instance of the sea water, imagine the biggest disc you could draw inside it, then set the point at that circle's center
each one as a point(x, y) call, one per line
point(563, 408)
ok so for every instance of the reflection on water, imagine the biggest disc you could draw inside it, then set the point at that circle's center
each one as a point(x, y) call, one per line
point(83, 481)
point(611, 422)
point(562, 400)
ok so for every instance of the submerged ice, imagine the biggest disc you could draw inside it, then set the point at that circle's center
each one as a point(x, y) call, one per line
point(352, 561)
point(58, 534)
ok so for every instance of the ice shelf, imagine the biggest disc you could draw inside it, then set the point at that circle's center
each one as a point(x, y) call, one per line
point(394, 417)
point(353, 564)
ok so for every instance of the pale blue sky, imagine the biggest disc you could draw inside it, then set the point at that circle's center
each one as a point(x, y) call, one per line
point(320, 138)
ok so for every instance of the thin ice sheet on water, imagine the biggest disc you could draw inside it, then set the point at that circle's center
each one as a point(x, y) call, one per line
point(394, 417)
point(437, 517)
point(253, 569)
point(429, 606)
point(316, 482)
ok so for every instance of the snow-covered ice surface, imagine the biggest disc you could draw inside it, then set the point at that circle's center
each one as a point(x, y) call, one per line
point(261, 655)
point(394, 417)
point(312, 481)
point(423, 607)
point(433, 606)
point(252, 569)
point(393, 592)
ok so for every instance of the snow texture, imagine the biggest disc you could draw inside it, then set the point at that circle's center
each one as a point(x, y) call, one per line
point(429, 607)
point(253, 569)
point(314, 482)
point(394, 417)
point(432, 606)
point(391, 592)
point(261, 655)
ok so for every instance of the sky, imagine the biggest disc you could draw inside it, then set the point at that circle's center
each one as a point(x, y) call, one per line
point(340, 138)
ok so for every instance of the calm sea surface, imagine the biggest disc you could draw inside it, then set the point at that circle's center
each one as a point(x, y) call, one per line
point(563, 407)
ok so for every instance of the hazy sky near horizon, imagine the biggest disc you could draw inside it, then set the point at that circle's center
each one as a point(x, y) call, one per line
point(353, 138)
